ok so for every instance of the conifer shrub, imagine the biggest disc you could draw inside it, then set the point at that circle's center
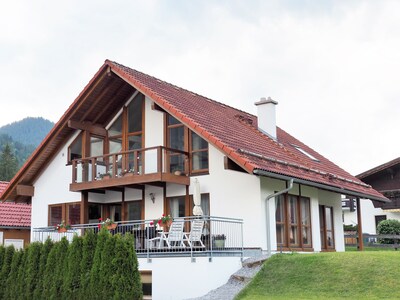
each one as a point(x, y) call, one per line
point(11, 290)
point(72, 276)
point(44, 254)
point(95, 272)
point(56, 289)
point(5, 269)
point(125, 281)
point(32, 268)
point(88, 249)
point(49, 274)
point(20, 283)
point(2, 251)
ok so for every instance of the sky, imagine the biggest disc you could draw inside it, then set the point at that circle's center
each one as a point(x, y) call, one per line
point(332, 65)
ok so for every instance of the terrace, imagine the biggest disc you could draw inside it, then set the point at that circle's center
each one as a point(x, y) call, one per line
point(219, 237)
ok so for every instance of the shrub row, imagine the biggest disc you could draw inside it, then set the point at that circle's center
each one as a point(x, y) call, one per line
point(95, 266)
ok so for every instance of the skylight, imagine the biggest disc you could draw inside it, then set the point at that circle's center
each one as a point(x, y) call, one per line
point(305, 153)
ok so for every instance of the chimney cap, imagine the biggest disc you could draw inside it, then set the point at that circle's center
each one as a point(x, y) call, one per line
point(266, 101)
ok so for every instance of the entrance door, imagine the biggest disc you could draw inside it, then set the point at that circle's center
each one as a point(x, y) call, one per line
point(326, 228)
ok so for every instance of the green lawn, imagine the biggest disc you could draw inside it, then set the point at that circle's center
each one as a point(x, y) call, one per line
point(351, 275)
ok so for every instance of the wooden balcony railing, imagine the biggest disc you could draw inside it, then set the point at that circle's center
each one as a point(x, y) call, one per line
point(160, 164)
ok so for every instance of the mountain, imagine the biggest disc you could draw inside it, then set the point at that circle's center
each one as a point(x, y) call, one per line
point(24, 136)
point(28, 131)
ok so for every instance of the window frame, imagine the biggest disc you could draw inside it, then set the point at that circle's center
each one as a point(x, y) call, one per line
point(64, 211)
point(287, 225)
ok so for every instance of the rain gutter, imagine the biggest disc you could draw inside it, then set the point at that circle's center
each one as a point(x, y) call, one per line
point(319, 185)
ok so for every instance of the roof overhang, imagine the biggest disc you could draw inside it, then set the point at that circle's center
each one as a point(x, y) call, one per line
point(338, 190)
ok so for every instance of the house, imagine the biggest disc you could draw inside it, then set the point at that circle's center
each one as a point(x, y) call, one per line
point(384, 178)
point(132, 147)
point(15, 222)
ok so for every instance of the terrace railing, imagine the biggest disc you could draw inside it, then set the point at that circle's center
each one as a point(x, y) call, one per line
point(219, 237)
point(138, 162)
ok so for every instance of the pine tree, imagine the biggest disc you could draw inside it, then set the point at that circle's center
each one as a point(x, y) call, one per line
point(8, 164)
point(88, 250)
point(44, 254)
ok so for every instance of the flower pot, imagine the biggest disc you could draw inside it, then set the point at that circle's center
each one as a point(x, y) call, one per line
point(219, 243)
point(112, 226)
point(62, 229)
point(166, 225)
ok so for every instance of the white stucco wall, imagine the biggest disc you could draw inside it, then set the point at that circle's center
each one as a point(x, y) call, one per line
point(368, 213)
point(52, 187)
point(170, 275)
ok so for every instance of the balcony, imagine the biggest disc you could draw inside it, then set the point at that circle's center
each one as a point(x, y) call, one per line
point(219, 237)
point(155, 165)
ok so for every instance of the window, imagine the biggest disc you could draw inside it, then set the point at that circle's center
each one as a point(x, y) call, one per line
point(75, 149)
point(378, 219)
point(95, 212)
point(326, 227)
point(199, 153)
point(179, 207)
point(293, 222)
point(135, 210)
point(181, 138)
point(70, 212)
point(305, 153)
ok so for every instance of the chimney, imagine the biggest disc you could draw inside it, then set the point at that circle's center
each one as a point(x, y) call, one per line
point(266, 116)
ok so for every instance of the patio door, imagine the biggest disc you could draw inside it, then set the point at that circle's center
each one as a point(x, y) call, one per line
point(326, 228)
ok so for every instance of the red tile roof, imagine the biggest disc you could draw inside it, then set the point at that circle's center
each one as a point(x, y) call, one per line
point(235, 133)
point(15, 215)
point(231, 130)
point(3, 185)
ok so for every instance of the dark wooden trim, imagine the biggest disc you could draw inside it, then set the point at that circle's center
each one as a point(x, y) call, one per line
point(25, 190)
point(88, 126)
point(229, 164)
point(359, 222)
point(84, 207)
point(131, 180)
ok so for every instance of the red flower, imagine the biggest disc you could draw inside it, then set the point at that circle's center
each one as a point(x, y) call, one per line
point(151, 223)
point(100, 219)
point(159, 222)
point(99, 226)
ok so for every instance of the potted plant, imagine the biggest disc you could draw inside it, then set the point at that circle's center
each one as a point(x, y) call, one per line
point(108, 223)
point(164, 221)
point(62, 227)
point(219, 240)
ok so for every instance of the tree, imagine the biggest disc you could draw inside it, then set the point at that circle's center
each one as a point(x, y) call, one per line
point(8, 163)
point(88, 249)
point(6, 268)
point(32, 268)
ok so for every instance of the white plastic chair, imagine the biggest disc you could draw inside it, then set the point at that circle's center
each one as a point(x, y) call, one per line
point(173, 238)
point(195, 234)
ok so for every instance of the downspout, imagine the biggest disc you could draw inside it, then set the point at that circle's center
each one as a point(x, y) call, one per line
point(290, 182)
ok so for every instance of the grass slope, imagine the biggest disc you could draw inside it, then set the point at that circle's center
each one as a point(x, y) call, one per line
point(354, 275)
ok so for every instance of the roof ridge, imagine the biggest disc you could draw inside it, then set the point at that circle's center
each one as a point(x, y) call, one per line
point(183, 89)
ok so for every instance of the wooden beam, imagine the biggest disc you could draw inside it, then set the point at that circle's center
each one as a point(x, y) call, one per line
point(88, 126)
point(359, 223)
point(84, 207)
point(25, 190)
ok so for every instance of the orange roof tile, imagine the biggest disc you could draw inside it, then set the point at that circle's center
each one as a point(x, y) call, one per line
point(15, 215)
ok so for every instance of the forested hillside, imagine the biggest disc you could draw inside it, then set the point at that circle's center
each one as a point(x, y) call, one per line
point(29, 131)
point(17, 141)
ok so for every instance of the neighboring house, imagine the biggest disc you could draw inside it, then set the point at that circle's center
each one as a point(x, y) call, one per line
point(15, 222)
point(132, 147)
point(385, 179)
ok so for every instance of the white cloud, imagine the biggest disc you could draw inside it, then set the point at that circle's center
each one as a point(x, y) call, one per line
point(331, 65)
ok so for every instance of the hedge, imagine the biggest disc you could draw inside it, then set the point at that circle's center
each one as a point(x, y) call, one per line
point(95, 266)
